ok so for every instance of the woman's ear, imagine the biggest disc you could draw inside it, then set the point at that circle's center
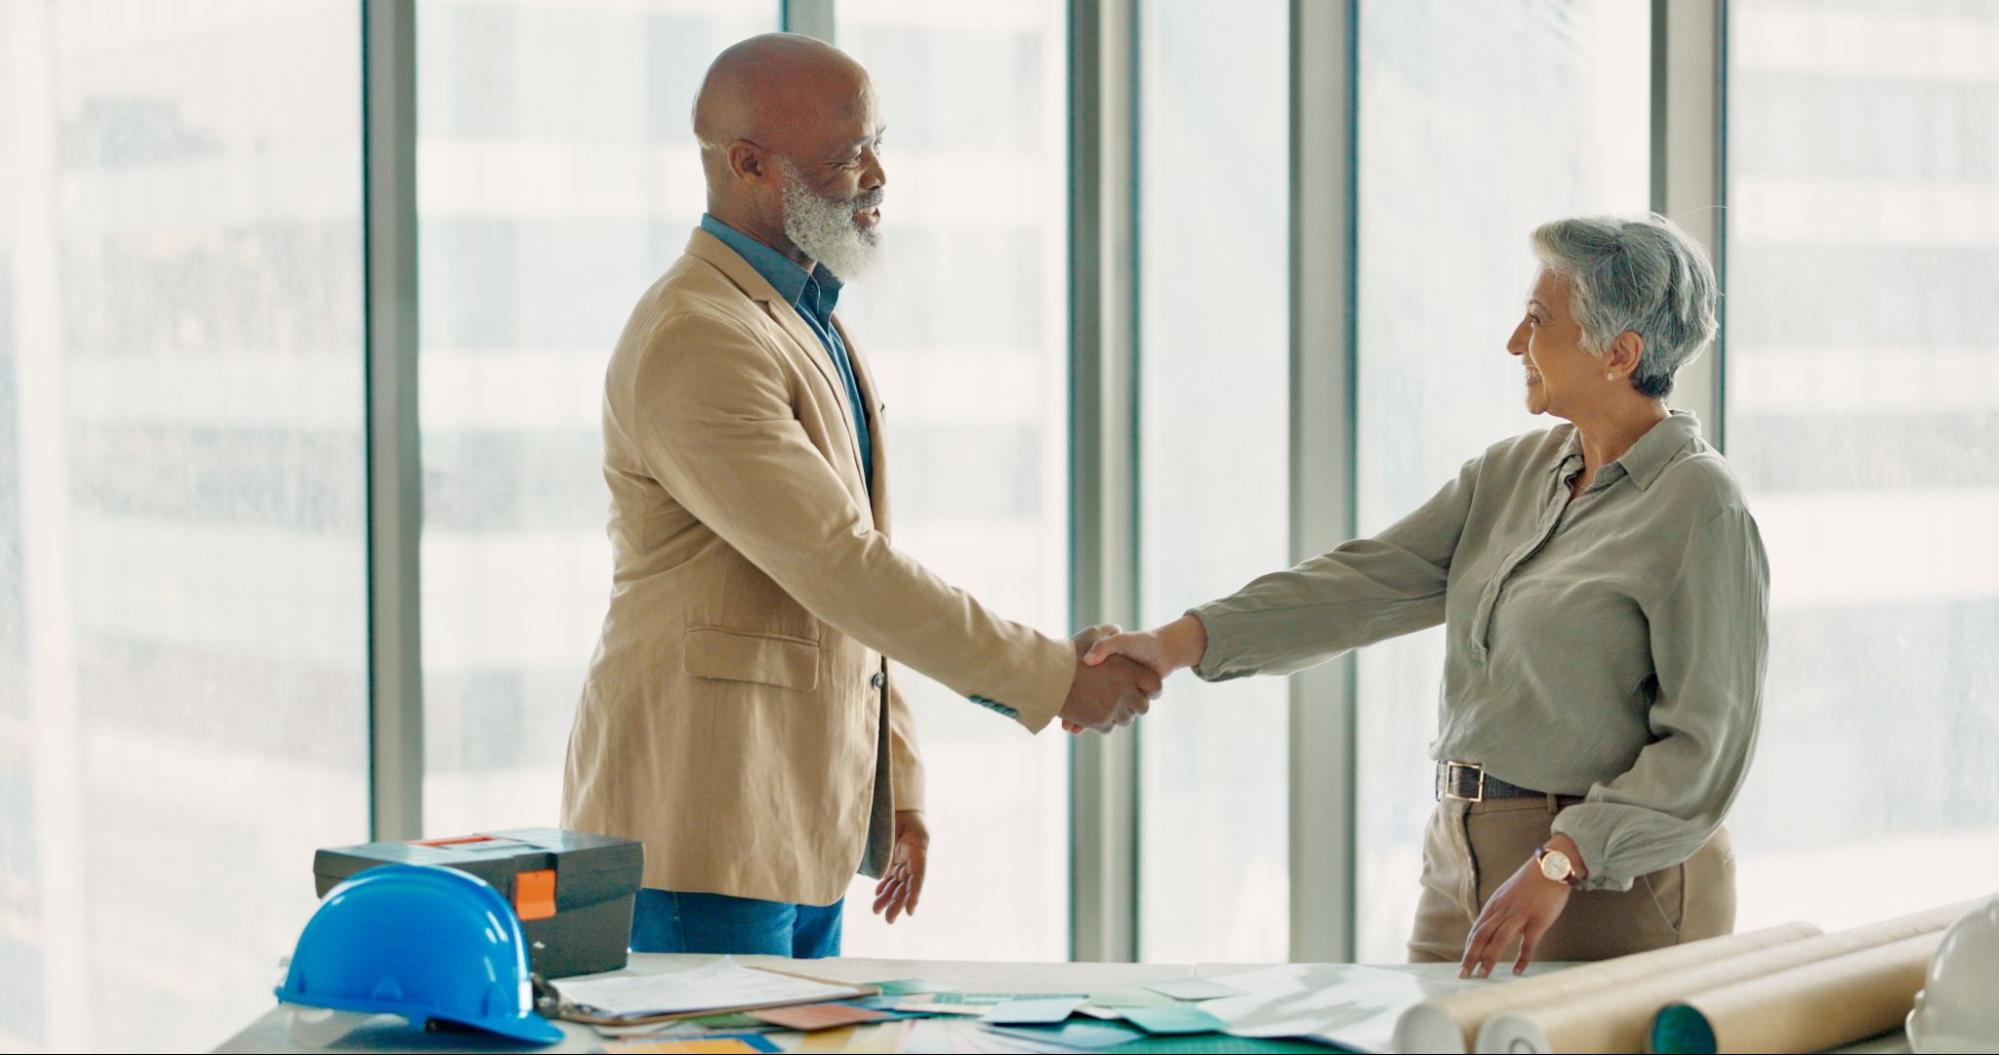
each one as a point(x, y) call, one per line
point(1626, 349)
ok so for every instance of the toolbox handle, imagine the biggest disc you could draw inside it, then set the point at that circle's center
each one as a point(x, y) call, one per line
point(460, 840)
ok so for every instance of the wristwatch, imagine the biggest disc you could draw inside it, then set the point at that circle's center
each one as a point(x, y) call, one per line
point(1556, 866)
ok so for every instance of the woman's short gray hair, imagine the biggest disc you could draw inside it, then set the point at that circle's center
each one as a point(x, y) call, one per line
point(1642, 274)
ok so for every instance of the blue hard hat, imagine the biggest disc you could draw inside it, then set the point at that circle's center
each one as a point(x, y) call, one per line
point(421, 941)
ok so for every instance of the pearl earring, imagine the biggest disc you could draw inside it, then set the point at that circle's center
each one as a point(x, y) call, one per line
point(1610, 377)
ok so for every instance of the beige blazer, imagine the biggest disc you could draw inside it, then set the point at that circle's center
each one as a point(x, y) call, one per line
point(739, 717)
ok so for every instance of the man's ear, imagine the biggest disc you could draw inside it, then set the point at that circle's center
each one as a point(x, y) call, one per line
point(748, 161)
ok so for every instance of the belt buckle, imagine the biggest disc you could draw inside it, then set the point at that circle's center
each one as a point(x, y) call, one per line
point(1451, 784)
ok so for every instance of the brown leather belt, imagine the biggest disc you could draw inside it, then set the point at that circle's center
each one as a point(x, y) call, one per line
point(1470, 782)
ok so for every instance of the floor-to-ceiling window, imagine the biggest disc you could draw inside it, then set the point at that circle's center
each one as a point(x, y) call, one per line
point(557, 177)
point(183, 620)
point(965, 327)
point(1213, 364)
point(1863, 416)
point(1476, 123)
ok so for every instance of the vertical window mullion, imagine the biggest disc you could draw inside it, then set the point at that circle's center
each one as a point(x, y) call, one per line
point(395, 483)
point(1103, 770)
point(1323, 351)
point(1687, 185)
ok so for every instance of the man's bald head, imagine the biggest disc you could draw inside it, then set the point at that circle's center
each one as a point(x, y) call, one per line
point(783, 113)
point(773, 90)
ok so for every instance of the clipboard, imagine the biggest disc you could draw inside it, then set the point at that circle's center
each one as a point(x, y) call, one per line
point(564, 1008)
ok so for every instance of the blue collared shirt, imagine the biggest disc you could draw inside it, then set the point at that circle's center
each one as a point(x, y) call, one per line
point(813, 296)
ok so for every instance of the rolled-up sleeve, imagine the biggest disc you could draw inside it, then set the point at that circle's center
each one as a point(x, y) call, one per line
point(1709, 638)
point(1364, 591)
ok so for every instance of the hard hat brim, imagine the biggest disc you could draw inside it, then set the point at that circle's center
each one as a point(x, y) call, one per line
point(529, 1027)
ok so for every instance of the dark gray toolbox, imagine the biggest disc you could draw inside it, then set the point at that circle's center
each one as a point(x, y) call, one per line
point(573, 891)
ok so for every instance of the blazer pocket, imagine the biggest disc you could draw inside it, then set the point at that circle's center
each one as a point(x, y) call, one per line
point(732, 655)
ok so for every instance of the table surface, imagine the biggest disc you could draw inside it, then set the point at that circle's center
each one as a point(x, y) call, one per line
point(271, 1031)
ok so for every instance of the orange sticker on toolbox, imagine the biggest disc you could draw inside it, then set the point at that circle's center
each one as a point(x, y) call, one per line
point(534, 894)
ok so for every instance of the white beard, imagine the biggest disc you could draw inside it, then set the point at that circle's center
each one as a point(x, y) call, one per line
point(825, 230)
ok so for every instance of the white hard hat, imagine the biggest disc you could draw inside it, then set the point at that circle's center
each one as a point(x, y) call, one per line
point(1958, 1008)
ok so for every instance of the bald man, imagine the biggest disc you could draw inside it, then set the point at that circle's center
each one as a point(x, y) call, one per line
point(741, 717)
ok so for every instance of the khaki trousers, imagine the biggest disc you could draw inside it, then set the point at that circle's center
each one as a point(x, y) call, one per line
point(1471, 848)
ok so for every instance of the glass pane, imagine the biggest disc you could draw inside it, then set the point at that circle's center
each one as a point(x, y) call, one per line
point(972, 297)
point(1863, 415)
point(1214, 435)
point(1477, 123)
point(183, 655)
point(557, 177)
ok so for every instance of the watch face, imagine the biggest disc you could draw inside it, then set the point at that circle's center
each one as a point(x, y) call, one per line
point(1555, 865)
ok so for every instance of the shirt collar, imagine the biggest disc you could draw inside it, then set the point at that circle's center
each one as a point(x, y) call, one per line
point(1649, 456)
point(787, 278)
point(1656, 449)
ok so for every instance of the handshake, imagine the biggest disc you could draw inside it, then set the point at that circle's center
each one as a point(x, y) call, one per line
point(1119, 674)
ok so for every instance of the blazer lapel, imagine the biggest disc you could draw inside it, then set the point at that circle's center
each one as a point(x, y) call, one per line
point(710, 248)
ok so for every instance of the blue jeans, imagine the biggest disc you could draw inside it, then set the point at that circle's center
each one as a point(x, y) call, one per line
point(665, 921)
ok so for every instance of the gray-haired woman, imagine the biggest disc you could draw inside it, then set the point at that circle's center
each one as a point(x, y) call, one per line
point(1605, 598)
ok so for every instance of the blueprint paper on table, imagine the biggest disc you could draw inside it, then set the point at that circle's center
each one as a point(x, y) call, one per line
point(1133, 997)
point(1194, 989)
point(1342, 1004)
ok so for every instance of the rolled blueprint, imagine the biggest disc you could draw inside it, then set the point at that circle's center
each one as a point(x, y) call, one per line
point(1449, 1023)
point(1619, 1019)
point(1810, 1008)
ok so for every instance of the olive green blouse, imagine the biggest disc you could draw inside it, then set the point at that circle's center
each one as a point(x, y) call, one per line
point(1609, 647)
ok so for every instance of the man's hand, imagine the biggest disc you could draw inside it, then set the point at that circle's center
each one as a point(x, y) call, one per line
point(902, 883)
point(1109, 695)
point(1178, 644)
point(1524, 907)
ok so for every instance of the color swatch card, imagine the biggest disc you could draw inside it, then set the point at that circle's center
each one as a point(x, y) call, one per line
point(910, 987)
point(1039, 1010)
point(1088, 1035)
point(868, 1037)
point(923, 1005)
point(971, 998)
point(1179, 1018)
point(718, 1044)
point(812, 1017)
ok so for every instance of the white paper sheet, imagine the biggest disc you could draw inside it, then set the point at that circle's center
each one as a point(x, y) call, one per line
point(721, 984)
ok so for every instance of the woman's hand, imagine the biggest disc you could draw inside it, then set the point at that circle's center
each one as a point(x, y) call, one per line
point(1165, 649)
point(1524, 907)
point(1178, 644)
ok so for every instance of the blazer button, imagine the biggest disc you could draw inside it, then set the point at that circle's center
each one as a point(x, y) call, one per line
point(880, 679)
